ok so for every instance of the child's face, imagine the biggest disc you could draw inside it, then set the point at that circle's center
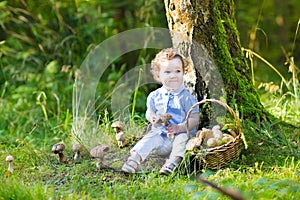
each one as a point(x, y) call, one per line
point(171, 73)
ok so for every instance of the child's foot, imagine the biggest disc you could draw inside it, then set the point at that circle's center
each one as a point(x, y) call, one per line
point(169, 168)
point(131, 165)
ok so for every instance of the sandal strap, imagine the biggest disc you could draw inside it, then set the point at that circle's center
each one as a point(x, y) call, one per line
point(130, 166)
point(171, 165)
point(168, 168)
point(130, 161)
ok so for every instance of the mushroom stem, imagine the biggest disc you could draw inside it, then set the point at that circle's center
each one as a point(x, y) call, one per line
point(77, 155)
point(100, 161)
point(62, 157)
point(10, 167)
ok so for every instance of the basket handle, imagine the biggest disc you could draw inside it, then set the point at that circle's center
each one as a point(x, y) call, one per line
point(237, 121)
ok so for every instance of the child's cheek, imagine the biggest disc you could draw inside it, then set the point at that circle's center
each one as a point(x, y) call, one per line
point(163, 78)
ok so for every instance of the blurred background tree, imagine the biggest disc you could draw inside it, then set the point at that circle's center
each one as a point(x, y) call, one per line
point(269, 27)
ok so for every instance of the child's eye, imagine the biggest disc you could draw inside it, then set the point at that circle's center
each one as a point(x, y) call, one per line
point(178, 71)
point(167, 72)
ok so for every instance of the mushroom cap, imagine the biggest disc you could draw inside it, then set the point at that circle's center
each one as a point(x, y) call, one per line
point(166, 117)
point(191, 144)
point(217, 134)
point(77, 147)
point(118, 124)
point(99, 151)
point(9, 158)
point(58, 147)
point(216, 127)
point(212, 142)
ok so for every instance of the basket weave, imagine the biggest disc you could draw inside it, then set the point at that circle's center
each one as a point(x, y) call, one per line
point(218, 157)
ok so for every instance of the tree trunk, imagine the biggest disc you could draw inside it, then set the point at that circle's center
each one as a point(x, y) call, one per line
point(206, 33)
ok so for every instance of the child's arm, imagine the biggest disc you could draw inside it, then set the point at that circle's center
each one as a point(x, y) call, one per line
point(152, 118)
point(150, 112)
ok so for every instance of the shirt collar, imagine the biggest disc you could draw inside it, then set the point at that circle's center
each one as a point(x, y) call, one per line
point(174, 92)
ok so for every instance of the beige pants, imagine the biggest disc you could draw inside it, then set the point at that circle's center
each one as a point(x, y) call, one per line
point(154, 143)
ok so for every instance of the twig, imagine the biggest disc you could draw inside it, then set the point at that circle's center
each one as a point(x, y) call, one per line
point(233, 194)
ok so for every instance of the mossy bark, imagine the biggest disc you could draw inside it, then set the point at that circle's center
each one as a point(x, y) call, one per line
point(211, 25)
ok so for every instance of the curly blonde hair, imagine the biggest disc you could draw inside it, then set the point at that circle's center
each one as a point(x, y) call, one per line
point(167, 54)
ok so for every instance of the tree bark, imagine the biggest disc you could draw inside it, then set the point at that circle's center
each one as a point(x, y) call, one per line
point(206, 33)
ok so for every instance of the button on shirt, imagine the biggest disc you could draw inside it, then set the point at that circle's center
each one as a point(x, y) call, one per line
point(176, 103)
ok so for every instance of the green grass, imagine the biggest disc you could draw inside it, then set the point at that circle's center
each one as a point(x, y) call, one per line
point(84, 181)
point(268, 169)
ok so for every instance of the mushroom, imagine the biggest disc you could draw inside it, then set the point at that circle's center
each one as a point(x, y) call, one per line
point(118, 126)
point(212, 142)
point(164, 119)
point(227, 138)
point(99, 152)
point(77, 148)
point(216, 127)
point(193, 143)
point(232, 132)
point(10, 160)
point(120, 135)
point(206, 134)
point(58, 148)
point(217, 132)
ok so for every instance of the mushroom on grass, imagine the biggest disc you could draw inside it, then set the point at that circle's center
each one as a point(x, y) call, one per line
point(77, 148)
point(120, 135)
point(99, 152)
point(10, 160)
point(58, 148)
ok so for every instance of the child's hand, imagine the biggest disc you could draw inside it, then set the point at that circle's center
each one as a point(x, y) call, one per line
point(172, 129)
point(156, 121)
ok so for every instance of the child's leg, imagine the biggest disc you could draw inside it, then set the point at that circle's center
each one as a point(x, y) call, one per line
point(177, 153)
point(178, 146)
point(158, 145)
point(141, 150)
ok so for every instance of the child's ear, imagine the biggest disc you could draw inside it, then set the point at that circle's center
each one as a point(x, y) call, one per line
point(157, 75)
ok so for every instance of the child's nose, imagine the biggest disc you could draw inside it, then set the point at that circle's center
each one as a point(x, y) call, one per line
point(173, 74)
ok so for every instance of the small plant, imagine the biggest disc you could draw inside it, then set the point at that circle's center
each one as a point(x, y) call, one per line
point(283, 100)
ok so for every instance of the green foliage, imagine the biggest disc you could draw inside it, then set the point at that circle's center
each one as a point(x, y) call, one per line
point(42, 45)
point(281, 100)
point(268, 28)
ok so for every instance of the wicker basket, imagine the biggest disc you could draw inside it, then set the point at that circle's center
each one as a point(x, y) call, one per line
point(218, 157)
